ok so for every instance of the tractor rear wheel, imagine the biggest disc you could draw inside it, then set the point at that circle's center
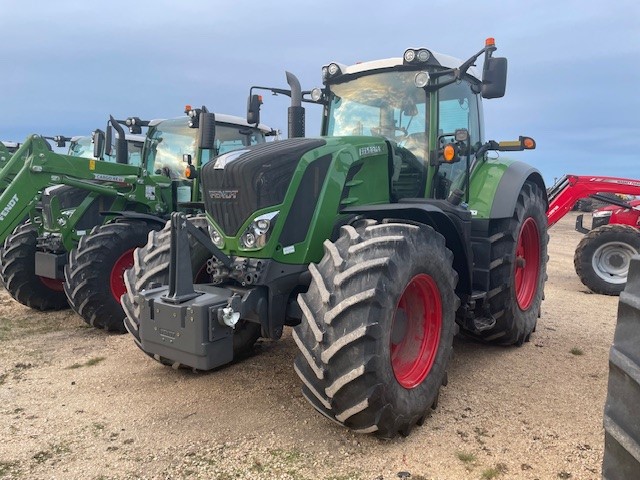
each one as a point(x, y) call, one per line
point(18, 273)
point(377, 328)
point(151, 266)
point(94, 276)
point(518, 270)
point(603, 256)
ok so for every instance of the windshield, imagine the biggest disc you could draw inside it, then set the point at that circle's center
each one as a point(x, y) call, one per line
point(81, 148)
point(384, 104)
point(168, 141)
point(165, 145)
point(231, 137)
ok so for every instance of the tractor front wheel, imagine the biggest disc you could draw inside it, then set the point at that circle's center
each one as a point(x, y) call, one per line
point(94, 276)
point(603, 257)
point(377, 329)
point(18, 273)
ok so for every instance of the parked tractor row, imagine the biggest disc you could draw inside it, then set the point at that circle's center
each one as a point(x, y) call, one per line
point(70, 224)
point(377, 241)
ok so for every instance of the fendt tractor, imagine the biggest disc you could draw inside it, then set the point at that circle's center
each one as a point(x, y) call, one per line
point(87, 216)
point(79, 146)
point(377, 241)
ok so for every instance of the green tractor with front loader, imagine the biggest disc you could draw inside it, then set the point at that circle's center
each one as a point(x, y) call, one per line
point(378, 242)
point(86, 216)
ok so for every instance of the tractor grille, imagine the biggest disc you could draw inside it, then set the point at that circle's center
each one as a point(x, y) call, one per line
point(256, 179)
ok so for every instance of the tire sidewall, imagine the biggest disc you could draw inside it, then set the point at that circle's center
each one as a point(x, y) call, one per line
point(583, 259)
point(423, 395)
point(535, 211)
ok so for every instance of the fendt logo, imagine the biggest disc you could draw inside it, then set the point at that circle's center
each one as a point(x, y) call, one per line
point(12, 203)
point(223, 194)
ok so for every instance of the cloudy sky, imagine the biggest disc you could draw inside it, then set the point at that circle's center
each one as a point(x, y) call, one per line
point(574, 66)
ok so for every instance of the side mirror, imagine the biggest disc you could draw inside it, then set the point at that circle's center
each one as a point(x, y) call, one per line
point(494, 77)
point(253, 109)
point(207, 137)
point(98, 143)
point(108, 141)
point(122, 149)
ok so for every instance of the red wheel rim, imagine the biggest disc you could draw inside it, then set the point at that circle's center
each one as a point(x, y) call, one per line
point(527, 268)
point(415, 331)
point(52, 284)
point(116, 279)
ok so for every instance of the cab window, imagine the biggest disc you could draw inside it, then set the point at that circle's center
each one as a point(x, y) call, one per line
point(457, 108)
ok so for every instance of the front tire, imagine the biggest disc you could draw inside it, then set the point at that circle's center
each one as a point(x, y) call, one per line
point(603, 256)
point(377, 329)
point(94, 276)
point(18, 273)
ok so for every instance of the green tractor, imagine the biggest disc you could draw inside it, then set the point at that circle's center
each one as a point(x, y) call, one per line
point(378, 242)
point(87, 216)
point(79, 146)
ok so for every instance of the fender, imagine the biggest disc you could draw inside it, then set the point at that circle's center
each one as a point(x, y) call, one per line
point(452, 222)
point(495, 187)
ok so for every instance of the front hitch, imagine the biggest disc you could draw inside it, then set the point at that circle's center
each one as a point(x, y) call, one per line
point(193, 325)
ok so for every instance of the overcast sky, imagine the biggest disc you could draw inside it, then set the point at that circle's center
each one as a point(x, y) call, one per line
point(574, 66)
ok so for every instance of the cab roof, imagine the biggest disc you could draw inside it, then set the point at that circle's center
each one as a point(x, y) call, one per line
point(224, 118)
point(445, 61)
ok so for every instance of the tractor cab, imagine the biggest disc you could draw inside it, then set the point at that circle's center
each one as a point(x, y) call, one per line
point(176, 148)
point(426, 105)
point(83, 146)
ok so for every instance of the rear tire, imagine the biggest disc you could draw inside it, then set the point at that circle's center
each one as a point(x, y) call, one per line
point(377, 328)
point(94, 276)
point(621, 422)
point(18, 273)
point(518, 270)
point(603, 256)
point(151, 266)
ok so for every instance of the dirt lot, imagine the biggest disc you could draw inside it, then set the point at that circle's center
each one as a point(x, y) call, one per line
point(79, 403)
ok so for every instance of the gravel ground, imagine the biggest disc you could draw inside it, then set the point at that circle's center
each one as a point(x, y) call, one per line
point(79, 403)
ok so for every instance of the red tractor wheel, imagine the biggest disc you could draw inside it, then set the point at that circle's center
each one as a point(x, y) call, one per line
point(377, 329)
point(94, 276)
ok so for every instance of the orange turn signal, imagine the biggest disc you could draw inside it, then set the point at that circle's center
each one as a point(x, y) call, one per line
point(190, 172)
point(187, 108)
point(449, 153)
point(528, 143)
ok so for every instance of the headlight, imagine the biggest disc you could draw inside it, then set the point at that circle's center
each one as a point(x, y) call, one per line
point(316, 94)
point(420, 55)
point(423, 55)
point(333, 69)
point(421, 79)
point(409, 55)
point(603, 213)
point(216, 238)
point(258, 232)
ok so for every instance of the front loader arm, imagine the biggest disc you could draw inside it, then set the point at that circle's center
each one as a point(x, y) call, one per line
point(17, 200)
point(571, 188)
point(10, 164)
point(43, 168)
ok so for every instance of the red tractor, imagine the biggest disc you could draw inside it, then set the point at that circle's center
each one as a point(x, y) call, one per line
point(603, 255)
